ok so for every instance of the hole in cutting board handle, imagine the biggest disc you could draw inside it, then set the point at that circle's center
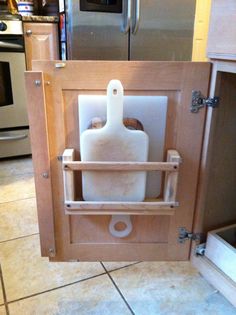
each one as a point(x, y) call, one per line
point(120, 225)
point(115, 91)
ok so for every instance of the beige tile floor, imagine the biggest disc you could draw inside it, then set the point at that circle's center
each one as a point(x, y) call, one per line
point(31, 285)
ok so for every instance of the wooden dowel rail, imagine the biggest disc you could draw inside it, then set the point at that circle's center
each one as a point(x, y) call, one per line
point(146, 207)
point(120, 212)
point(120, 166)
point(119, 207)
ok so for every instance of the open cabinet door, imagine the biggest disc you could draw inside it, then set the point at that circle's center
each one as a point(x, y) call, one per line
point(53, 89)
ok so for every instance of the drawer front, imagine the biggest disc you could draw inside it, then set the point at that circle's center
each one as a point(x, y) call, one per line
point(14, 143)
point(221, 249)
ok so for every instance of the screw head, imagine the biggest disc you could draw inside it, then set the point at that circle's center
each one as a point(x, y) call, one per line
point(45, 175)
point(51, 252)
point(37, 82)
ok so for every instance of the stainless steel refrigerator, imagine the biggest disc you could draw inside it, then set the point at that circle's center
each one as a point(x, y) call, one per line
point(129, 29)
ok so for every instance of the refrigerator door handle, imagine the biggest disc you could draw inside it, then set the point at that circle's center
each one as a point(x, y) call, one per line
point(137, 17)
point(127, 22)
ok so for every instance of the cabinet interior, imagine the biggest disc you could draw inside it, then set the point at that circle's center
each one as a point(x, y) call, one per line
point(229, 235)
point(220, 206)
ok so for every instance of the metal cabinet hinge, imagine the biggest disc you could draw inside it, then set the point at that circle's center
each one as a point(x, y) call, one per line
point(186, 235)
point(199, 101)
point(200, 249)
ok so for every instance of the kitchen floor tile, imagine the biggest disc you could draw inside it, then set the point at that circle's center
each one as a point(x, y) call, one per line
point(95, 296)
point(169, 288)
point(16, 187)
point(13, 167)
point(112, 265)
point(18, 218)
point(25, 272)
point(2, 310)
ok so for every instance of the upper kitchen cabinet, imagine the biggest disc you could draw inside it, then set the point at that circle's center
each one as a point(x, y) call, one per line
point(222, 32)
point(41, 42)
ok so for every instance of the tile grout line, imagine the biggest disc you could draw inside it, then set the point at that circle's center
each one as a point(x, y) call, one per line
point(56, 288)
point(126, 266)
point(4, 291)
point(33, 197)
point(17, 238)
point(118, 290)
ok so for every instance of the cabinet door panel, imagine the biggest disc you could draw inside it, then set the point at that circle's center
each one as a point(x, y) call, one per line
point(41, 42)
point(80, 237)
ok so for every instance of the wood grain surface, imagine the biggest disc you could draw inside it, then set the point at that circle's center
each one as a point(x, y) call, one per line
point(184, 132)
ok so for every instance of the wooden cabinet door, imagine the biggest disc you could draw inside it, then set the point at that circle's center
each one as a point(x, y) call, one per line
point(53, 117)
point(41, 42)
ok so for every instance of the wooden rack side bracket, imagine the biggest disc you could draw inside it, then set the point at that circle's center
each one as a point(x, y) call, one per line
point(146, 207)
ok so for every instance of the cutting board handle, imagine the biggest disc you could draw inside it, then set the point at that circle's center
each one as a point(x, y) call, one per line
point(115, 93)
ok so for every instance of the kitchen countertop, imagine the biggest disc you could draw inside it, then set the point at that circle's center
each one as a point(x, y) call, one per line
point(42, 19)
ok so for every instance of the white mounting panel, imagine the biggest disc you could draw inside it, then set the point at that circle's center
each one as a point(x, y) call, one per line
point(151, 111)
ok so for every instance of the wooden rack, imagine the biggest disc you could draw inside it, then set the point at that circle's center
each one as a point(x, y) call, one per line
point(146, 207)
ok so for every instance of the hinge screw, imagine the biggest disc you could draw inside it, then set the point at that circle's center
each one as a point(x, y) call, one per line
point(45, 175)
point(37, 82)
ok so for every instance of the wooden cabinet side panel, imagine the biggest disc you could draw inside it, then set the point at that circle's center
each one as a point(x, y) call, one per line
point(222, 30)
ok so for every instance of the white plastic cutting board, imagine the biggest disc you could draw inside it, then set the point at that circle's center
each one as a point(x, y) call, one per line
point(151, 111)
point(114, 142)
